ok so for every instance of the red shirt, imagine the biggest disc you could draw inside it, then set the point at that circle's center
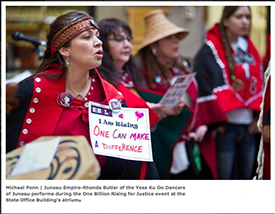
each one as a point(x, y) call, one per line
point(45, 117)
point(77, 114)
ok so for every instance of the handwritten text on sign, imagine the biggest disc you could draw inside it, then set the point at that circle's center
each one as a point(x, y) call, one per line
point(176, 91)
point(124, 134)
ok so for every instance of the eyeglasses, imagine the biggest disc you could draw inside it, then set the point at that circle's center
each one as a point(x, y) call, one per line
point(121, 39)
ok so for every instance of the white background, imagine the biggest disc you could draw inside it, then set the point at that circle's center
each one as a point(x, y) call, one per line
point(201, 196)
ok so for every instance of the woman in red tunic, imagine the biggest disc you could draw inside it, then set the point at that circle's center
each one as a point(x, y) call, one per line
point(54, 101)
point(159, 56)
point(121, 69)
point(229, 66)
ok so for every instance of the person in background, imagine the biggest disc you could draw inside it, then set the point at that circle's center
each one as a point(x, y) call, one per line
point(120, 68)
point(229, 66)
point(161, 61)
point(54, 101)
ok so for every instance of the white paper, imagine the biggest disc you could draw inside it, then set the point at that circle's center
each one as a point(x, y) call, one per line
point(36, 156)
point(125, 134)
point(179, 86)
point(19, 77)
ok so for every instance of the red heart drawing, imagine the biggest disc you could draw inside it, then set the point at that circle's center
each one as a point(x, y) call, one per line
point(120, 116)
point(139, 115)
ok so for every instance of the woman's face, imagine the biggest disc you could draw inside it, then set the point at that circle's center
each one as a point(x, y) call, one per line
point(85, 50)
point(120, 48)
point(167, 49)
point(238, 24)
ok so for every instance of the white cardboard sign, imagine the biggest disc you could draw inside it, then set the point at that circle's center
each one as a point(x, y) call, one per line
point(124, 134)
point(177, 90)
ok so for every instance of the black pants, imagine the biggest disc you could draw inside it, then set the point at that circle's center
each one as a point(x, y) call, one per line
point(116, 168)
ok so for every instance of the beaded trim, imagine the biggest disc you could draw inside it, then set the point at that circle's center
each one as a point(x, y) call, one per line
point(71, 30)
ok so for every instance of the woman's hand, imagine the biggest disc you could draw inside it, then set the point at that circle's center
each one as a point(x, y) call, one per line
point(158, 108)
point(253, 128)
point(198, 135)
point(162, 111)
point(175, 110)
point(220, 129)
point(155, 106)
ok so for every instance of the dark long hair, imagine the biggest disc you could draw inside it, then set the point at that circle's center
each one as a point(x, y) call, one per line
point(59, 23)
point(107, 69)
point(227, 12)
point(154, 68)
point(146, 58)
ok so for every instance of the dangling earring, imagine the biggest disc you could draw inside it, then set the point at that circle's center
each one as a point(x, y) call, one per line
point(67, 61)
point(154, 51)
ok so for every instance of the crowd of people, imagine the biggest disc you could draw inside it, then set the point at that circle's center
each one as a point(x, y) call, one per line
point(85, 61)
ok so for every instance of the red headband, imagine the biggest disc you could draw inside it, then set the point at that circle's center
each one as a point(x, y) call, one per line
point(70, 31)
